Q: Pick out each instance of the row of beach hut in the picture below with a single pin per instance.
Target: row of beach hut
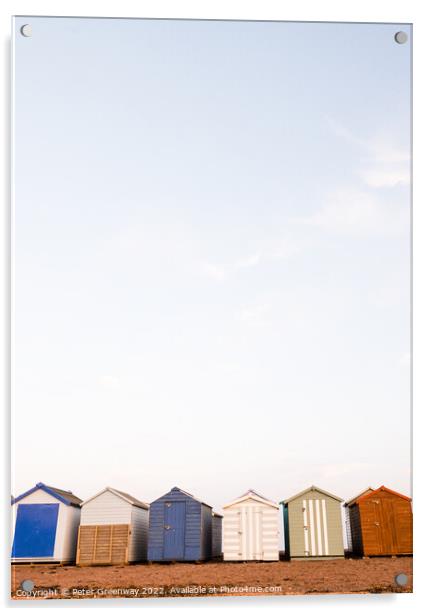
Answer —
(113, 527)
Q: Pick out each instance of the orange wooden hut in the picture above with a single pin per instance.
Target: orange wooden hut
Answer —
(380, 523)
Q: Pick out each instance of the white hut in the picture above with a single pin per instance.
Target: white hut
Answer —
(250, 528)
(45, 523)
(114, 529)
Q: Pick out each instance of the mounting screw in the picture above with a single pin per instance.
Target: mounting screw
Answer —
(26, 30)
(401, 37)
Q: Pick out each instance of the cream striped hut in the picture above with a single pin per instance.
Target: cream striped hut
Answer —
(313, 525)
(250, 528)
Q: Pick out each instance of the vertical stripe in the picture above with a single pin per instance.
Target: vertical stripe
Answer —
(256, 531)
(325, 527)
(243, 534)
(260, 531)
(250, 534)
(313, 540)
(306, 548)
(319, 529)
(246, 537)
(253, 532)
(253, 513)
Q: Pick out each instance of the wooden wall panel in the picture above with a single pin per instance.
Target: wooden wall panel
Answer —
(106, 544)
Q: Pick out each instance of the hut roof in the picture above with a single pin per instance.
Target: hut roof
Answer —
(64, 496)
(382, 489)
(355, 498)
(251, 491)
(127, 497)
(176, 489)
(254, 496)
(311, 488)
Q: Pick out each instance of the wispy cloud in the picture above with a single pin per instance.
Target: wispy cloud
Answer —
(220, 272)
(360, 207)
(356, 212)
(250, 261)
(109, 381)
(384, 163)
(255, 315)
(380, 178)
(284, 245)
(215, 272)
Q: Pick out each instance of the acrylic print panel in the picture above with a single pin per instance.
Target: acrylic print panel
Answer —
(211, 310)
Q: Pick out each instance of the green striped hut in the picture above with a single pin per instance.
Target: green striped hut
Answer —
(313, 525)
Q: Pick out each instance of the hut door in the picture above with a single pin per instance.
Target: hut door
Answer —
(396, 529)
(316, 541)
(257, 550)
(174, 530)
(251, 534)
(374, 521)
(389, 535)
(35, 531)
(387, 525)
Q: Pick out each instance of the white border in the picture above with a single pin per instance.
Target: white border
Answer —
(409, 11)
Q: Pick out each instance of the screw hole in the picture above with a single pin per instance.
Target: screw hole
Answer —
(26, 30)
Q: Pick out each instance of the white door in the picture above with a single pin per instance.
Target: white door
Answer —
(251, 533)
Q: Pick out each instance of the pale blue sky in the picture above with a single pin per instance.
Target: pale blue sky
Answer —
(211, 257)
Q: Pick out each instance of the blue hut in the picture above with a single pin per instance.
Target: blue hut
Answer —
(180, 528)
(45, 525)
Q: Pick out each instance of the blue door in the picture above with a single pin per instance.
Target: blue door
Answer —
(174, 530)
(35, 530)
